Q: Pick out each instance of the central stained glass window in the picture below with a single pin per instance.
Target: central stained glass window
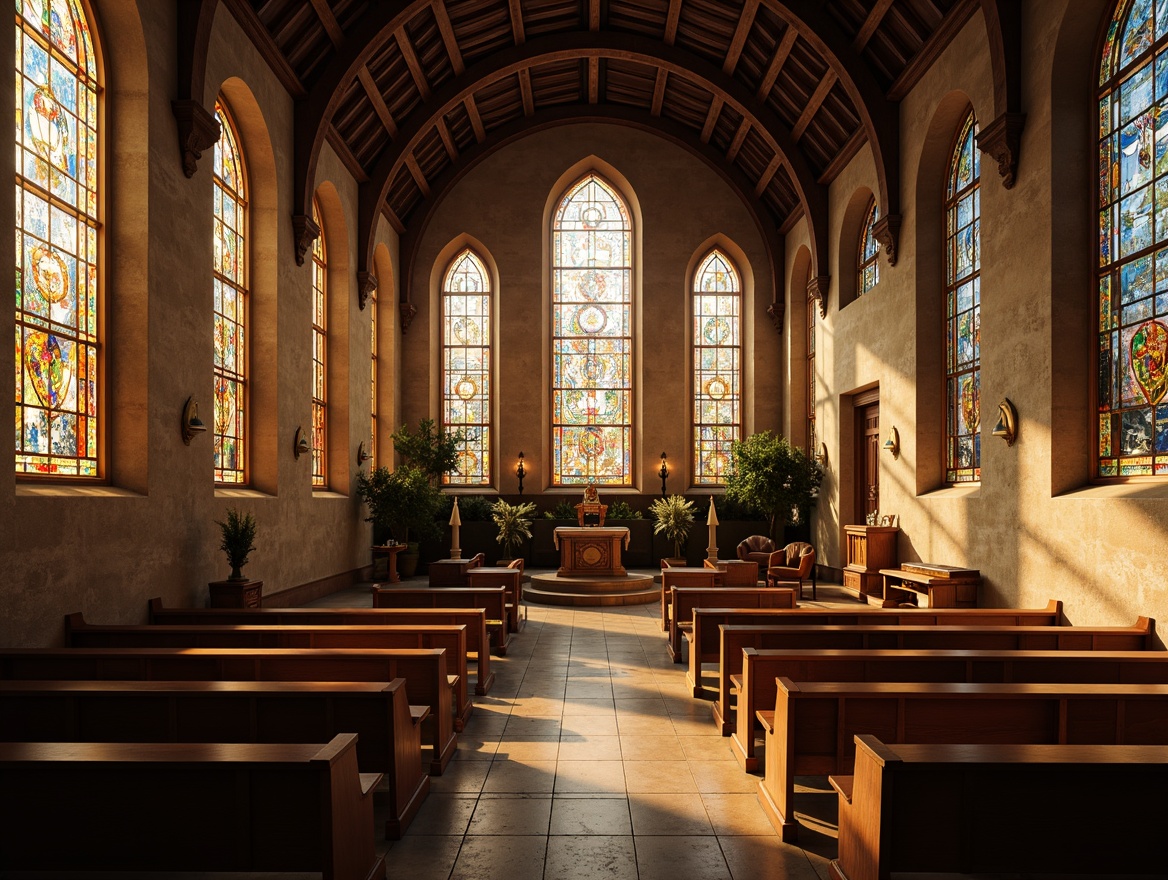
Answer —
(717, 310)
(319, 354)
(466, 367)
(592, 335)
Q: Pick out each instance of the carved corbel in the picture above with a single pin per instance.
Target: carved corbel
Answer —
(776, 311)
(406, 311)
(306, 231)
(817, 288)
(198, 130)
(366, 284)
(1001, 140)
(886, 231)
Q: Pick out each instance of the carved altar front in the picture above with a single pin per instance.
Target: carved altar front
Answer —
(591, 551)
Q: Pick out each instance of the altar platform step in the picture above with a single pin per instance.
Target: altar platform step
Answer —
(632, 589)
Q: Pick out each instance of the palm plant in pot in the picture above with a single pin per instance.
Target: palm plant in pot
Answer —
(514, 524)
(238, 532)
(674, 516)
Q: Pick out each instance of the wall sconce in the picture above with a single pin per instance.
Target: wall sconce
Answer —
(300, 443)
(821, 455)
(663, 473)
(191, 423)
(892, 444)
(520, 471)
(1007, 426)
(362, 455)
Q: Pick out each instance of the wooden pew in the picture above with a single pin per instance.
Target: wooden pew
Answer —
(734, 639)
(683, 601)
(424, 670)
(79, 634)
(684, 576)
(474, 619)
(512, 580)
(1010, 810)
(761, 669)
(493, 600)
(812, 728)
(188, 807)
(388, 728)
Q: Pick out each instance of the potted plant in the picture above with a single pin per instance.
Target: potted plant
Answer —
(514, 524)
(238, 531)
(775, 478)
(674, 517)
(401, 500)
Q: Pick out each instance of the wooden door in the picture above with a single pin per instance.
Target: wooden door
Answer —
(868, 461)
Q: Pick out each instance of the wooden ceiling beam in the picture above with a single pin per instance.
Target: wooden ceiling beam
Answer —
(516, 12)
(525, 91)
(378, 102)
(870, 25)
(476, 121)
(417, 175)
(447, 139)
(448, 40)
(782, 52)
(813, 105)
(741, 32)
(739, 139)
(593, 80)
(671, 20)
(325, 13)
(768, 174)
(594, 15)
(712, 118)
(411, 59)
(659, 91)
(393, 219)
(262, 39)
(346, 155)
(961, 12)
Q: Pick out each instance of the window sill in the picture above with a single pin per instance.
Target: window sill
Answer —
(232, 492)
(970, 490)
(27, 490)
(327, 493)
(1110, 491)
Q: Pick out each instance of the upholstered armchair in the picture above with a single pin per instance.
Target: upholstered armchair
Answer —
(793, 563)
(756, 548)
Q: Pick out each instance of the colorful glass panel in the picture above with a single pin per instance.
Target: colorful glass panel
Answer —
(230, 304)
(372, 451)
(57, 297)
(717, 334)
(869, 265)
(963, 310)
(319, 352)
(592, 331)
(466, 367)
(812, 313)
(1132, 301)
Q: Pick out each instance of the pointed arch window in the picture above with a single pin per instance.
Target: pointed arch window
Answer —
(963, 308)
(717, 364)
(466, 366)
(58, 301)
(230, 279)
(1132, 347)
(867, 262)
(592, 336)
(373, 379)
(812, 313)
(319, 355)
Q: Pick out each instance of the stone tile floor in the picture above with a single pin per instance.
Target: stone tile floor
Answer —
(590, 759)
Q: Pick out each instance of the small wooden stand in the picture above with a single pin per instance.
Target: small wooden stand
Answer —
(930, 585)
(870, 548)
(236, 594)
(390, 552)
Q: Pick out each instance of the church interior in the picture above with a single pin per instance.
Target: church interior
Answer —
(604, 241)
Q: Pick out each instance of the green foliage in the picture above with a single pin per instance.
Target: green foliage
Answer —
(774, 477)
(431, 449)
(564, 510)
(674, 517)
(401, 500)
(514, 522)
(471, 508)
(729, 508)
(621, 510)
(239, 531)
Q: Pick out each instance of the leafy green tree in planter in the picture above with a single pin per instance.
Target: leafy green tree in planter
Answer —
(674, 517)
(775, 478)
(430, 449)
(514, 523)
(401, 500)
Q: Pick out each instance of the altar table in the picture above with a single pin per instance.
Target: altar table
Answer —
(591, 551)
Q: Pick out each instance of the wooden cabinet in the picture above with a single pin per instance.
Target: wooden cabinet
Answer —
(869, 549)
(236, 594)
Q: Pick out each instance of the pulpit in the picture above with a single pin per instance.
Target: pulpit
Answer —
(591, 551)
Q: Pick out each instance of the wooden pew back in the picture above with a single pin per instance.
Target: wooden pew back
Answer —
(683, 601)
(493, 600)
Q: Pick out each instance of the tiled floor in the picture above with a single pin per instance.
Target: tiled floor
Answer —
(590, 759)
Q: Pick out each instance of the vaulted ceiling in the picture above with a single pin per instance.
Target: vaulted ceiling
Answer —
(775, 96)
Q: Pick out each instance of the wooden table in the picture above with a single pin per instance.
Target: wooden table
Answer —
(591, 550)
(941, 586)
(390, 552)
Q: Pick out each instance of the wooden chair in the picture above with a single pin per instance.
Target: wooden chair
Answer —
(794, 563)
(756, 548)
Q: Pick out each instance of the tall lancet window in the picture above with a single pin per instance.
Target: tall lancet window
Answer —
(58, 300)
(592, 336)
(230, 289)
(466, 367)
(867, 262)
(963, 309)
(717, 365)
(1132, 341)
(319, 355)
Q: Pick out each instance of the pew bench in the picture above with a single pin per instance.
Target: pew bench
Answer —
(79, 634)
(474, 619)
(493, 601)
(188, 807)
(1047, 810)
(424, 670)
(757, 686)
(734, 639)
(684, 576)
(512, 580)
(389, 730)
(812, 728)
(683, 601)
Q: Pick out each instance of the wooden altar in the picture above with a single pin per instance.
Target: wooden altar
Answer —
(591, 551)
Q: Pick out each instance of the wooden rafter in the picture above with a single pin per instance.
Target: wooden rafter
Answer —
(525, 91)
(659, 91)
(476, 121)
(712, 118)
(782, 51)
(411, 59)
(739, 139)
(741, 32)
(379, 105)
(871, 23)
(768, 174)
(593, 15)
(813, 105)
(263, 41)
(346, 155)
(671, 20)
(417, 175)
(393, 219)
(845, 155)
(593, 80)
(516, 22)
(447, 140)
(325, 13)
(448, 39)
(954, 20)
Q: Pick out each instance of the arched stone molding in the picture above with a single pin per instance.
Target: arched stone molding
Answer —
(851, 235)
(388, 353)
(797, 379)
(335, 230)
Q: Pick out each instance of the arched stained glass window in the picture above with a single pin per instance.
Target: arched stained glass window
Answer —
(592, 334)
(372, 452)
(319, 355)
(1132, 367)
(812, 313)
(58, 318)
(230, 286)
(466, 366)
(717, 329)
(963, 309)
(869, 265)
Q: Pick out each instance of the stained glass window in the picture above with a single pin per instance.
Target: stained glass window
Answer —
(319, 351)
(466, 366)
(1132, 366)
(57, 296)
(869, 265)
(812, 311)
(230, 287)
(963, 309)
(717, 329)
(592, 330)
(373, 379)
